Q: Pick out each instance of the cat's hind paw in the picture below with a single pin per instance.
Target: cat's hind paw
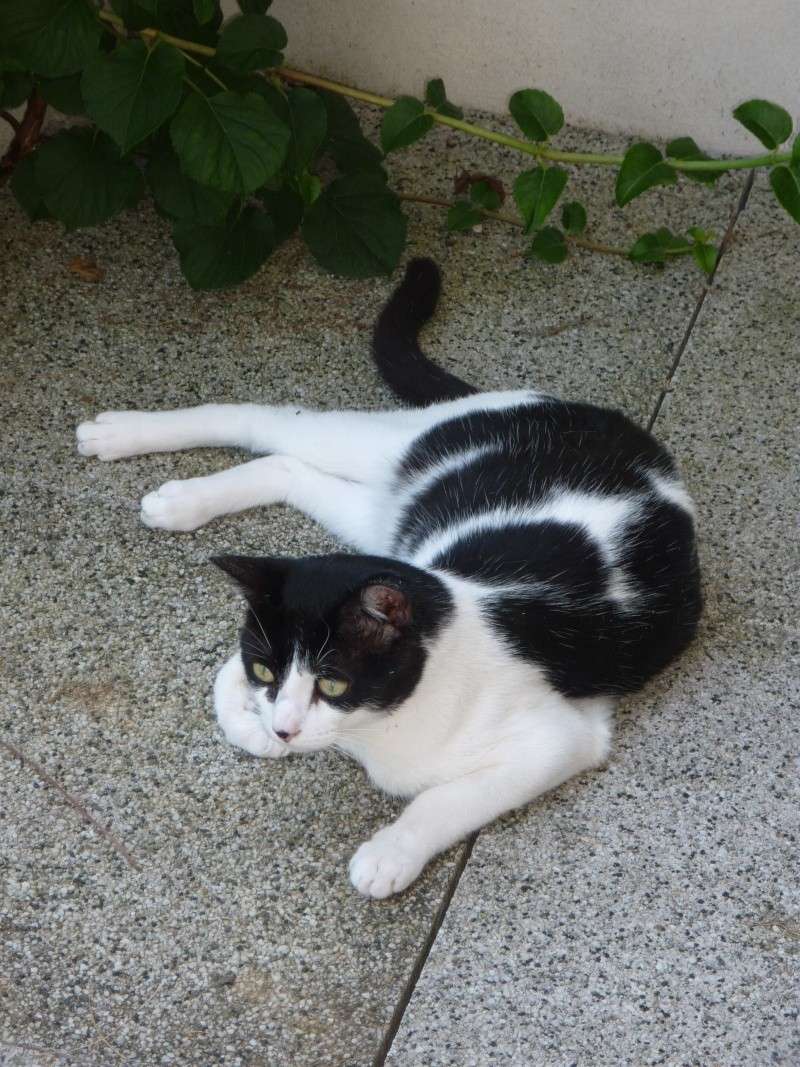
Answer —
(385, 864)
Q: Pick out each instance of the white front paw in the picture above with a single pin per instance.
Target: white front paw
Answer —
(253, 738)
(176, 506)
(112, 434)
(244, 729)
(385, 864)
(236, 714)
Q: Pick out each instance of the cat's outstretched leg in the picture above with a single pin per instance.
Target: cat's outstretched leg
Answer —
(559, 742)
(236, 714)
(347, 509)
(358, 445)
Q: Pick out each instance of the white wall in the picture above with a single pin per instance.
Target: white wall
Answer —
(653, 67)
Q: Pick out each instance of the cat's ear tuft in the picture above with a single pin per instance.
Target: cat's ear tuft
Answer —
(376, 617)
(258, 577)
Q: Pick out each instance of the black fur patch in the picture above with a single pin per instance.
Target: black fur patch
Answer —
(364, 619)
(587, 643)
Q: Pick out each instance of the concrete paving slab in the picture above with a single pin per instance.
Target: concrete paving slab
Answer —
(239, 941)
(650, 913)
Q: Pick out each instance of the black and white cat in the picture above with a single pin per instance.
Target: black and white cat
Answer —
(524, 561)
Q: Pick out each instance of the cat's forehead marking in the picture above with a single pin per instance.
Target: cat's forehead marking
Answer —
(297, 685)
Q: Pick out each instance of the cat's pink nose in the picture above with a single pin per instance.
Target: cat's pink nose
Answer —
(284, 735)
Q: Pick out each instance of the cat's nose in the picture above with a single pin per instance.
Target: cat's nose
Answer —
(284, 735)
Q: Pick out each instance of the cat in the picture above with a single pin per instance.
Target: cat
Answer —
(523, 561)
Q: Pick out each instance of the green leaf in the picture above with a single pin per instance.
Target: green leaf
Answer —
(436, 97)
(705, 256)
(179, 197)
(656, 247)
(461, 216)
(308, 121)
(83, 180)
(686, 148)
(771, 124)
(204, 10)
(549, 246)
(309, 187)
(51, 37)
(796, 150)
(218, 257)
(15, 88)
(176, 17)
(8, 62)
(64, 94)
(229, 141)
(251, 42)
(673, 244)
(536, 193)
(404, 123)
(26, 189)
(647, 249)
(356, 228)
(249, 83)
(573, 217)
(485, 196)
(285, 207)
(642, 168)
(536, 113)
(134, 90)
(350, 149)
(253, 7)
(700, 235)
(785, 182)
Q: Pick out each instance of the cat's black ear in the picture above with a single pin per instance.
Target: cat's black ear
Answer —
(259, 577)
(377, 616)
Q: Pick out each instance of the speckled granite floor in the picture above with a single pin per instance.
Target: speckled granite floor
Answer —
(648, 914)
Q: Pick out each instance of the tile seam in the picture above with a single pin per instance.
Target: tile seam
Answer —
(736, 211)
(422, 956)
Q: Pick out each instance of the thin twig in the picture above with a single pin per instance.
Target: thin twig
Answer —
(594, 246)
(27, 135)
(13, 122)
(73, 802)
(436, 202)
(580, 242)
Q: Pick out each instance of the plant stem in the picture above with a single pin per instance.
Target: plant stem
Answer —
(538, 151)
(436, 202)
(205, 70)
(593, 246)
(26, 137)
(13, 123)
(497, 216)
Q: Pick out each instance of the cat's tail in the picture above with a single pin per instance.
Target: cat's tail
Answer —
(401, 362)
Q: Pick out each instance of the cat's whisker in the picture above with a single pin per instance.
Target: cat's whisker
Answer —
(263, 631)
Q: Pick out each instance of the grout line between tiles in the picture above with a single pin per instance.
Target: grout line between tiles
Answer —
(736, 211)
(452, 885)
(422, 956)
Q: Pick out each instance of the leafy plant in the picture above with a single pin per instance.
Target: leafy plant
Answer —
(239, 152)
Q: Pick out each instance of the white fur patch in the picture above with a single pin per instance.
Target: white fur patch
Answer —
(672, 490)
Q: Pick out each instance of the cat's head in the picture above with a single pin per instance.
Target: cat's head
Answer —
(329, 635)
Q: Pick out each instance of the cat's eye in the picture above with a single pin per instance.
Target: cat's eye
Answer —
(263, 673)
(332, 687)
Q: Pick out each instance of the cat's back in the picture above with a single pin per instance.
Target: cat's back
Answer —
(573, 524)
